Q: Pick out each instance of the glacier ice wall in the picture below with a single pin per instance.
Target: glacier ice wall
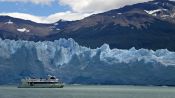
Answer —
(78, 64)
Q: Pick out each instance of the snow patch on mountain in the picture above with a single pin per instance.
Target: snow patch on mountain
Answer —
(58, 29)
(23, 30)
(153, 12)
(9, 22)
(55, 24)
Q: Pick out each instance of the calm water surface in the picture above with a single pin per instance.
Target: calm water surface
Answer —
(88, 92)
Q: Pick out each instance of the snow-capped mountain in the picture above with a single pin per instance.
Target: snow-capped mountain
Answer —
(149, 25)
(13, 28)
(77, 64)
(144, 25)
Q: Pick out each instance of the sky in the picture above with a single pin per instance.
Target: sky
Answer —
(50, 11)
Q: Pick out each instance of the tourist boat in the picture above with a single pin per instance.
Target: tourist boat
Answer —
(50, 82)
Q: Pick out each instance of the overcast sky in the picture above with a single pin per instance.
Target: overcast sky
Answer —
(49, 11)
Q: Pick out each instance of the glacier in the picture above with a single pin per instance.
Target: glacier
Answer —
(73, 63)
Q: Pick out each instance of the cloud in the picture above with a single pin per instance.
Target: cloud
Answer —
(50, 19)
(78, 9)
(89, 6)
(25, 17)
(44, 2)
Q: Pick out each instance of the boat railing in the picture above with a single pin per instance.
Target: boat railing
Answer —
(40, 80)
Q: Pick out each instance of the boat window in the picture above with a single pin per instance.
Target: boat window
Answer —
(52, 78)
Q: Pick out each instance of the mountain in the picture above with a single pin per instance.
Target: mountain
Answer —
(149, 25)
(145, 25)
(13, 28)
(81, 65)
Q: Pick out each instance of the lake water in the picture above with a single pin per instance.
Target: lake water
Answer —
(88, 92)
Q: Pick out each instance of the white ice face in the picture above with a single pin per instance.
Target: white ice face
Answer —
(60, 52)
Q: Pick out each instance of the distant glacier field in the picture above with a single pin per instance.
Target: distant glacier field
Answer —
(81, 65)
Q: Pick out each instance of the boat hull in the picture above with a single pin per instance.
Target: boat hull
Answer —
(41, 86)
